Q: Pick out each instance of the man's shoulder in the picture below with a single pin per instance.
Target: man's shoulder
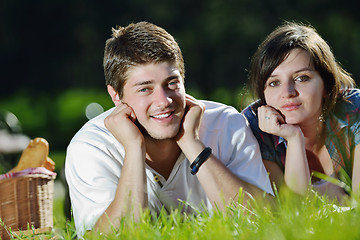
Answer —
(94, 130)
(218, 109)
(218, 116)
(95, 147)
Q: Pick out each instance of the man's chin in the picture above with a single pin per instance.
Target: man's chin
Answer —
(156, 135)
(161, 135)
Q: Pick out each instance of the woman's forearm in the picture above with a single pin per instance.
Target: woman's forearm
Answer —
(297, 173)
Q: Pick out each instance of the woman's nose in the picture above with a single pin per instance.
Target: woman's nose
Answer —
(289, 90)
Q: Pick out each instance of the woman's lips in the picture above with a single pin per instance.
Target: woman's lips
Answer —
(291, 106)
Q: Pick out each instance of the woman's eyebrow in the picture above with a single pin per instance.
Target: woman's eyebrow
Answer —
(305, 69)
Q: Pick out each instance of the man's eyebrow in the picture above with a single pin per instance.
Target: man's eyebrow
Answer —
(172, 77)
(147, 82)
(141, 83)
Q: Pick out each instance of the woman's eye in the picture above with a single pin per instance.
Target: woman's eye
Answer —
(302, 78)
(273, 83)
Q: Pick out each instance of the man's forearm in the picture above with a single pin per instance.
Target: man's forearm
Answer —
(131, 193)
(220, 184)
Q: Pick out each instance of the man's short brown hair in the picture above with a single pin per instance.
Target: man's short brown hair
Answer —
(138, 43)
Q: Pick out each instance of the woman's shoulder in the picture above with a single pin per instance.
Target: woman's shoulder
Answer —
(347, 108)
(270, 145)
(352, 93)
(349, 102)
(250, 112)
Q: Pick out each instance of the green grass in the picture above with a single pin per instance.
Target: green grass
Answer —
(290, 217)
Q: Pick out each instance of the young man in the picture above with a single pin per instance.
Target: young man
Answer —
(139, 154)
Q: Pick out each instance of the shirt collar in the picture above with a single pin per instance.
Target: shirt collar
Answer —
(278, 140)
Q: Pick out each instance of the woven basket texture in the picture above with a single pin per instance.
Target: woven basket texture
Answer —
(26, 202)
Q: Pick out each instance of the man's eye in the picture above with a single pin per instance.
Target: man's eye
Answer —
(143, 89)
(173, 84)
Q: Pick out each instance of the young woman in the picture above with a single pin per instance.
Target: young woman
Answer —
(307, 117)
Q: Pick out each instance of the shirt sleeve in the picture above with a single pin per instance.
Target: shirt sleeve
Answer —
(236, 146)
(92, 174)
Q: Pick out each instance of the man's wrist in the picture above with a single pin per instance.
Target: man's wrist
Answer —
(203, 156)
(192, 149)
(136, 149)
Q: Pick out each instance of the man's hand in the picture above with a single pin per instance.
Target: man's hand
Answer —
(189, 129)
(121, 123)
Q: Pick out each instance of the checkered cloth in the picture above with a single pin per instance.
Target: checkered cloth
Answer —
(38, 170)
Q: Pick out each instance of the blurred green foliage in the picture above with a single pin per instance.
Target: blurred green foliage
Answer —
(56, 118)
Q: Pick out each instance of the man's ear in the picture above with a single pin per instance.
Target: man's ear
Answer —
(114, 95)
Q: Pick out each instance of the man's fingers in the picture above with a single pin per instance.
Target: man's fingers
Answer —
(191, 102)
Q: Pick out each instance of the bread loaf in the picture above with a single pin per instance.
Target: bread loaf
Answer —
(35, 155)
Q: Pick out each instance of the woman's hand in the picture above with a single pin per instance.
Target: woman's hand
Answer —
(297, 173)
(273, 122)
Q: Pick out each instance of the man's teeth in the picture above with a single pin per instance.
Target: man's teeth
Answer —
(165, 115)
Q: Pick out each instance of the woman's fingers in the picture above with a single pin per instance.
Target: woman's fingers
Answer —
(270, 119)
(273, 122)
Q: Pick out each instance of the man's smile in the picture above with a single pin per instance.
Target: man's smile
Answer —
(163, 115)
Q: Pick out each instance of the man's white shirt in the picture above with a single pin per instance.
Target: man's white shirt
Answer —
(95, 158)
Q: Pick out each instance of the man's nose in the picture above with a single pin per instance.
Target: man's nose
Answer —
(162, 98)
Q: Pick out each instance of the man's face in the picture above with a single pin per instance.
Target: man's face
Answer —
(156, 93)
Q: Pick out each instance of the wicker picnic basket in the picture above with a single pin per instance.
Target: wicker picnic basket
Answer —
(26, 202)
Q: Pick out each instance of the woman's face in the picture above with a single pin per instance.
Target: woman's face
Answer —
(296, 89)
